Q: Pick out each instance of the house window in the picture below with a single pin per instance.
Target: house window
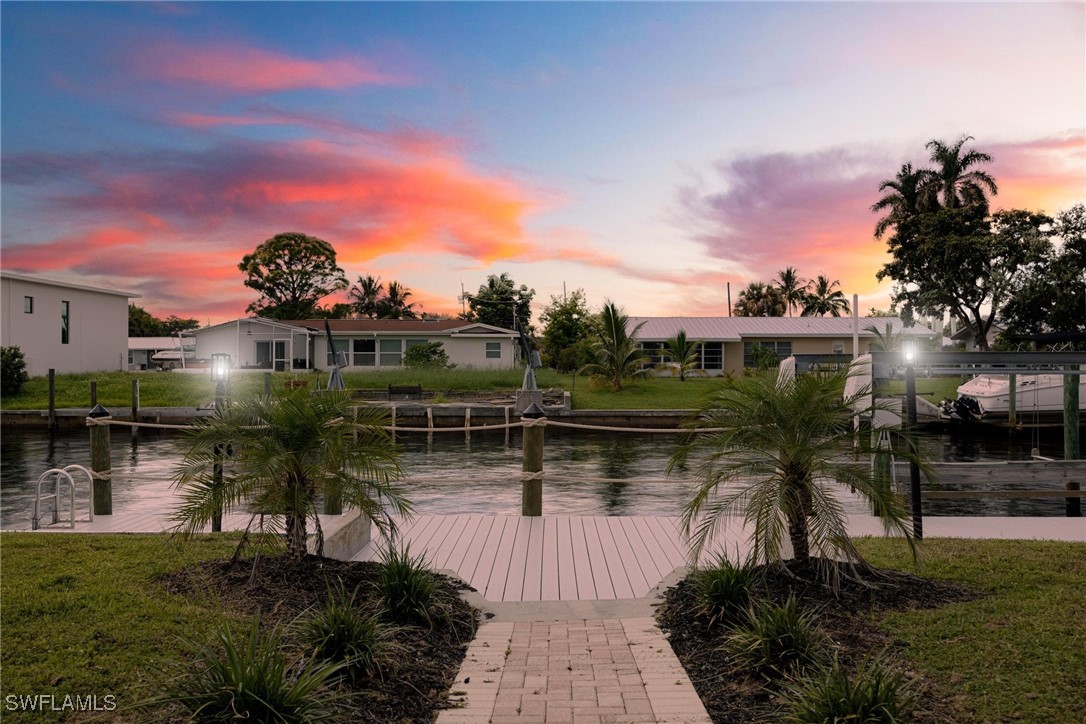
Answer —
(493, 350)
(64, 309)
(28, 305)
(712, 356)
(391, 352)
(415, 343)
(365, 352)
(656, 353)
(783, 349)
(263, 354)
(338, 345)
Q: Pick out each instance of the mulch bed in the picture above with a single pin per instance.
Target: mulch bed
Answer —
(280, 590)
(730, 696)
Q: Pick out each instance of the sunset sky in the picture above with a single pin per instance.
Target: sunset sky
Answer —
(647, 152)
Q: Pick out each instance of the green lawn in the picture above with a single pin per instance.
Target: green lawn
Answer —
(1018, 653)
(653, 393)
(932, 388)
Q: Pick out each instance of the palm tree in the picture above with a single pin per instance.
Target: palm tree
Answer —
(760, 300)
(394, 304)
(684, 353)
(365, 295)
(286, 452)
(792, 288)
(618, 355)
(909, 194)
(884, 342)
(823, 299)
(952, 178)
(771, 453)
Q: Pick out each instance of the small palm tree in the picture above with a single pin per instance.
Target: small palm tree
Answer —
(823, 299)
(618, 355)
(792, 287)
(771, 454)
(884, 342)
(286, 452)
(684, 353)
(365, 295)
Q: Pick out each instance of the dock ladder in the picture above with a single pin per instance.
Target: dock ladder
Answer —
(58, 474)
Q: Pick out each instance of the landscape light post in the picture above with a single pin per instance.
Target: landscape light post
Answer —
(220, 373)
(908, 349)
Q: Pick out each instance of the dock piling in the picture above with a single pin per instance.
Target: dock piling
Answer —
(1072, 449)
(102, 489)
(531, 493)
(52, 400)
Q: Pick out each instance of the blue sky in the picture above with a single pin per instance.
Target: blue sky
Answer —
(647, 152)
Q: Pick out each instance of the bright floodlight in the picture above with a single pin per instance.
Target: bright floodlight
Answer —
(220, 367)
(908, 348)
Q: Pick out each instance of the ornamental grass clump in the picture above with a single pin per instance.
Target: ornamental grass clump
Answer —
(723, 590)
(341, 632)
(248, 676)
(776, 639)
(407, 589)
(874, 694)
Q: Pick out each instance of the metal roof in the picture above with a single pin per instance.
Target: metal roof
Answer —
(66, 285)
(394, 326)
(736, 329)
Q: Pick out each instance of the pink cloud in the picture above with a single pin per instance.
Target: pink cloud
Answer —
(236, 67)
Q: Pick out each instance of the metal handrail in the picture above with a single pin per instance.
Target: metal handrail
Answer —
(35, 521)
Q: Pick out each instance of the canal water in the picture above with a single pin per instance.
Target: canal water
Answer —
(448, 474)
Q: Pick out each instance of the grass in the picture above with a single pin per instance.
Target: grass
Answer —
(933, 389)
(1017, 653)
(653, 393)
(82, 614)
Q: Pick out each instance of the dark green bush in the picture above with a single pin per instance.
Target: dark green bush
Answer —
(875, 694)
(247, 676)
(724, 590)
(428, 355)
(776, 639)
(12, 371)
(340, 632)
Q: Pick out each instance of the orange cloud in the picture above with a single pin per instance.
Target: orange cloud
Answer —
(239, 68)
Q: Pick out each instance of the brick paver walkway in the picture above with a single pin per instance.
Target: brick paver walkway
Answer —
(572, 672)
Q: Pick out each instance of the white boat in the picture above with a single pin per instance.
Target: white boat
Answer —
(990, 395)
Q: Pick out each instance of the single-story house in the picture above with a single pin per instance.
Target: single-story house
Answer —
(726, 342)
(64, 326)
(149, 353)
(962, 334)
(258, 343)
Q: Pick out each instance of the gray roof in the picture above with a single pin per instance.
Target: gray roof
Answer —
(736, 329)
(67, 285)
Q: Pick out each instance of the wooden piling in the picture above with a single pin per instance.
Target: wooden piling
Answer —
(531, 493)
(135, 404)
(94, 392)
(467, 423)
(102, 488)
(1072, 449)
(52, 400)
(1012, 402)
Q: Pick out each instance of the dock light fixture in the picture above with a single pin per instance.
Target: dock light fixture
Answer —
(220, 367)
(908, 350)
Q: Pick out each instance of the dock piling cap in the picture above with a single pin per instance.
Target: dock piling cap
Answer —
(98, 411)
(533, 412)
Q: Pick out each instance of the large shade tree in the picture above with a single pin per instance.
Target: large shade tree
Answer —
(823, 299)
(285, 453)
(618, 354)
(501, 303)
(774, 454)
(760, 300)
(568, 329)
(292, 272)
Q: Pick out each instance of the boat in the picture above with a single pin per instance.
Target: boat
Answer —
(987, 396)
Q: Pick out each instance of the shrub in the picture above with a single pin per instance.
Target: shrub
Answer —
(776, 639)
(408, 590)
(873, 695)
(724, 590)
(12, 371)
(247, 676)
(430, 354)
(341, 633)
(763, 357)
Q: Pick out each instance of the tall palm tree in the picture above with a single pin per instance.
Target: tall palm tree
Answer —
(823, 299)
(684, 353)
(792, 287)
(394, 304)
(954, 177)
(286, 452)
(365, 296)
(760, 300)
(771, 454)
(618, 355)
(908, 193)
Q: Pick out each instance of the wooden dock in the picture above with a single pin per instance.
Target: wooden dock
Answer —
(546, 558)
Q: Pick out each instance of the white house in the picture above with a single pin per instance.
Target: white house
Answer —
(726, 342)
(64, 326)
(258, 343)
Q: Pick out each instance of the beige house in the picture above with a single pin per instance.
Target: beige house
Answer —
(367, 344)
(64, 326)
(726, 342)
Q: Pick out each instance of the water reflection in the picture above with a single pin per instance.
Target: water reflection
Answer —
(453, 475)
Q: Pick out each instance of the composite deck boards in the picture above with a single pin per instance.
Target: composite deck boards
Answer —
(484, 541)
(638, 581)
(533, 566)
(550, 589)
(494, 586)
(518, 556)
(468, 530)
(601, 578)
(667, 537)
(616, 568)
(640, 551)
(567, 574)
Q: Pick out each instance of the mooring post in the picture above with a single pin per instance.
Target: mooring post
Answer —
(914, 467)
(1012, 402)
(52, 400)
(94, 393)
(531, 490)
(1072, 449)
(135, 405)
(102, 487)
(467, 423)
